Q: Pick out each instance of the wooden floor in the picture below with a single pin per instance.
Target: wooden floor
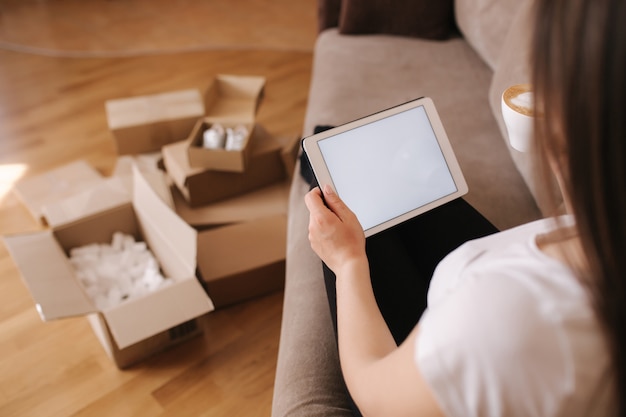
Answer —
(52, 113)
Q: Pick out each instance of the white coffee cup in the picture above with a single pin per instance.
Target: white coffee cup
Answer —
(517, 111)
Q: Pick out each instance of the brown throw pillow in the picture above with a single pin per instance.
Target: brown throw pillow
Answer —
(328, 14)
(429, 19)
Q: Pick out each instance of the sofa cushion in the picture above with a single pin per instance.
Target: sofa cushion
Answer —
(485, 24)
(428, 19)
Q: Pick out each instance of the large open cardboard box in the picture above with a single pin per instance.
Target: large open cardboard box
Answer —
(201, 186)
(147, 123)
(137, 327)
(237, 249)
(230, 101)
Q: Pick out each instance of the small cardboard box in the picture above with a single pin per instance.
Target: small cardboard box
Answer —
(147, 123)
(230, 101)
(202, 186)
(138, 327)
(217, 159)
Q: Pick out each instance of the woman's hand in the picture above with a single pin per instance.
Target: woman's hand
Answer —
(334, 231)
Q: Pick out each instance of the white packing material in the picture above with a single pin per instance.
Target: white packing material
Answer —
(111, 274)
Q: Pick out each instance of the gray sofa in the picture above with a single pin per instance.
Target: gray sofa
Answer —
(357, 75)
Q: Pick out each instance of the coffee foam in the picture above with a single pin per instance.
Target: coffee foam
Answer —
(519, 98)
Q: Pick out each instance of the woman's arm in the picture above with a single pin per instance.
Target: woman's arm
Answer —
(382, 378)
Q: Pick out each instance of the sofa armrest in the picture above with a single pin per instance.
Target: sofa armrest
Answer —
(308, 379)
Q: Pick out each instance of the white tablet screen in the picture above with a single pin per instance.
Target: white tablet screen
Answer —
(385, 169)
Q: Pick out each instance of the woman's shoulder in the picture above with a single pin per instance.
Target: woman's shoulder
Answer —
(507, 295)
(512, 320)
(495, 346)
(512, 254)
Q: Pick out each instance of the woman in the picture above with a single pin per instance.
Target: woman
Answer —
(529, 321)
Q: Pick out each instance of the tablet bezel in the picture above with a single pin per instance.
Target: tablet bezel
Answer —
(323, 176)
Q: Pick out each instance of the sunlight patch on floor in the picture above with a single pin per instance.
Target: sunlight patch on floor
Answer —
(10, 174)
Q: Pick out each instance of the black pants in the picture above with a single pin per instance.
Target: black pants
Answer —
(402, 260)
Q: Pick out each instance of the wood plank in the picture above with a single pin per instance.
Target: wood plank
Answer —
(103, 27)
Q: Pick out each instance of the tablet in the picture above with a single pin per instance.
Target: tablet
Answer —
(390, 166)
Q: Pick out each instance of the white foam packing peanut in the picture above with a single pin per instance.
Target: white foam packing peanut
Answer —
(236, 138)
(113, 273)
(230, 139)
(214, 137)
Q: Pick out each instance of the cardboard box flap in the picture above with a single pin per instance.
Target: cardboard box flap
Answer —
(146, 162)
(48, 275)
(57, 184)
(171, 239)
(148, 165)
(135, 111)
(112, 192)
(290, 154)
(160, 183)
(135, 320)
(242, 247)
(177, 163)
(234, 99)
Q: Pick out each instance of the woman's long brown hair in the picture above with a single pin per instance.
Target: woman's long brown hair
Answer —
(579, 77)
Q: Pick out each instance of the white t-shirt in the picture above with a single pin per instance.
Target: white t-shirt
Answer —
(510, 331)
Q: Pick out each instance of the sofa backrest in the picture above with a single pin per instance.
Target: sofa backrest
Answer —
(513, 67)
(485, 24)
(500, 32)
